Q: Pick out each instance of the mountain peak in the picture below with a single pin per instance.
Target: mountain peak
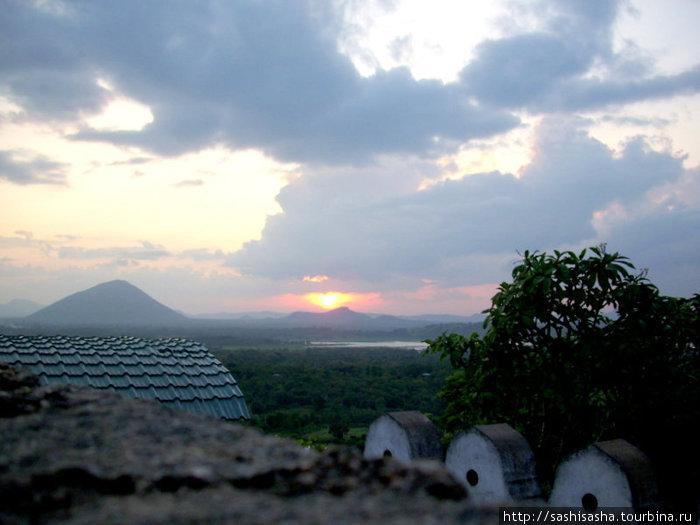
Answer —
(19, 308)
(111, 303)
(116, 284)
(342, 309)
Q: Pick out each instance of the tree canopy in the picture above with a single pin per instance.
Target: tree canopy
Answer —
(581, 347)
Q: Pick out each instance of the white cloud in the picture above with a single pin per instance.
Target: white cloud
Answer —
(121, 114)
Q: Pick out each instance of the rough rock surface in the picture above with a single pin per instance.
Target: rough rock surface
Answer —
(76, 455)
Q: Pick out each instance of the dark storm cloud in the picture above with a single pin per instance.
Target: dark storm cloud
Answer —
(27, 168)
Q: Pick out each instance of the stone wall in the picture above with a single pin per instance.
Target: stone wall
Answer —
(74, 455)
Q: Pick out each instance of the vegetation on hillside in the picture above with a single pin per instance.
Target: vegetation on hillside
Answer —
(581, 347)
(331, 395)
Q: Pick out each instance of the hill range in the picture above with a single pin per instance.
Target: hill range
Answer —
(19, 308)
(119, 303)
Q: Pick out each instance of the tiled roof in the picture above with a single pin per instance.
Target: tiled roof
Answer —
(176, 372)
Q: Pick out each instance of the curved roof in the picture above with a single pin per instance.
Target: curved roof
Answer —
(423, 436)
(176, 372)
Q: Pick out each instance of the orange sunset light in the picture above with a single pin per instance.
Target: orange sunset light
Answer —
(329, 300)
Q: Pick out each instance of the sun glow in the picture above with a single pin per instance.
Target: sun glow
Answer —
(329, 300)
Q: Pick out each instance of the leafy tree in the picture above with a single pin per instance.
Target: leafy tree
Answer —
(579, 348)
(338, 429)
(300, 392)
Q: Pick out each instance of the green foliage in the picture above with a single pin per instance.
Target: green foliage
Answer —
(313, 443)
(338, 429)
(579, 348)
(332, 395)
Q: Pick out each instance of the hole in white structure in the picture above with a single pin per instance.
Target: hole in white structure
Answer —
(472, 477)
(589, 501)
(387, 453)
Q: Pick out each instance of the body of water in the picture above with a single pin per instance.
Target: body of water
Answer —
(411, 345)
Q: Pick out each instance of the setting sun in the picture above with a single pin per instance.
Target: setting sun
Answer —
(329, 300)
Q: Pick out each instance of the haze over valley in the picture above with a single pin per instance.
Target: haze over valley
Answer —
(119, 307)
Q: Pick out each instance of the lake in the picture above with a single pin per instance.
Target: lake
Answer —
(411, 345)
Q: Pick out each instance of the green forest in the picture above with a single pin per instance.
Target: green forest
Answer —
(331, 395)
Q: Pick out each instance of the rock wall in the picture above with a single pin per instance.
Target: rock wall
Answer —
(75, 455)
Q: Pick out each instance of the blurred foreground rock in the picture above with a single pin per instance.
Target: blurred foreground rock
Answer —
(76, 455)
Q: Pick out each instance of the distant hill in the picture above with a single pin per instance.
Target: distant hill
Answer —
(19, 308)
(244, 316)
(342, 317)
(446, 318)
(339, 317)
(111, 303)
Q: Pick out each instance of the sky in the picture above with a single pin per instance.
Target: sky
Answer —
(392, 156)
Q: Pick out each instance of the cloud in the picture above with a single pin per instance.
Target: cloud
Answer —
(146, 252)
(202, 254)
(26, 234)
(656, 122)
(189, 183)
(268, 75)
(315, 278)
(585, 94)
(250, 74)
(24, 240)
(517, 71)
(23, 167)
(132, 161)
(521, 70)
(45, 73)
(550, 69)
(467, 231)
(660, 233)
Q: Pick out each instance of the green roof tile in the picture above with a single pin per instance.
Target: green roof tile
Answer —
(120, 382)
(176, 372)
(73, 369)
